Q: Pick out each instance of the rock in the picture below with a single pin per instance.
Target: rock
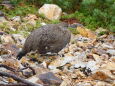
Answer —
(13, 63)
(109, 66)
(80, 64)
(107, 46)
(111, 52)
(74, 25)
(99, 30)
(61, 62)
(5, 2)
(30, 17)
(102, 83)
(13, 50)
(3, 19)
(16, 19)
(112, 59)
(32, 22)
(7, 39)
(83, 84)
(92, 65)
(27, 72)
(43, 23)
(50, 79)
(19, 38)
(105, 72)
(103, 75)
(82, 39)
(1, 13)
(111, 37)
(51, 11)
(97, 58)
(98, 51)
(1, 32)
(3, 51)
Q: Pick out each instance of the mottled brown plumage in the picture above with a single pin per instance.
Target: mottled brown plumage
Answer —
(48, 38)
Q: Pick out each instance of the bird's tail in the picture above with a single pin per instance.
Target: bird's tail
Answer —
(21, 54)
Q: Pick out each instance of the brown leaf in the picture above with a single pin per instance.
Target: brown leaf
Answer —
(86, 32)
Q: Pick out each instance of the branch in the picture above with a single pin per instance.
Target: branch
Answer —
(15, 84)
(17, 78)
(7, 67)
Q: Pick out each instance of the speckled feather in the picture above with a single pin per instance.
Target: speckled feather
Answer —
(48, 38)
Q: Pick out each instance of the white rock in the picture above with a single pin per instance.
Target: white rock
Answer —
(1, 60)
(107, 46)
(111, 51)
(7, 39)
(32, 22)
(43, 23)
(16, 18)
(33, 79)
(19, 38)
(2, 19)
(51, 11)
(92, 65)
(61, 61)
(80, 64)
(13, 29)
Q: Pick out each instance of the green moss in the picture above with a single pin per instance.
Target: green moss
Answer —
(73, 30)
(54, 21)
(21, 11)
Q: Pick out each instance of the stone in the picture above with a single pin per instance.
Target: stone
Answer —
(92, 65)
(2, 19)
(30, 17)
(103, 75)
(102, 83)
(80, 64)
(50, 79)
(83, 84)
(6, 2)
(107, 46)
(16, 18)
(32, 22)
(13, 50)
(7, 39)
(51, 11)
(99, 30)
(43, 23)
(27, 72)
(97, 58)
(13, 63)
(111, 52)
(19, 38)
(61, 62)
(1, 13)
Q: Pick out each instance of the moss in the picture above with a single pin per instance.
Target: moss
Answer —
(73, 30)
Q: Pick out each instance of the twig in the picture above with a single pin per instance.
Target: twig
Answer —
(17, 78)
(15, 84)
(7, 67)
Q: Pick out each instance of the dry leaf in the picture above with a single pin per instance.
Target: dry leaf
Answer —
(86, 32)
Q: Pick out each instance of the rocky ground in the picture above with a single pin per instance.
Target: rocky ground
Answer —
(89, 59)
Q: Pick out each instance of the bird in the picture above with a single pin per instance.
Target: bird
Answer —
(50, 38)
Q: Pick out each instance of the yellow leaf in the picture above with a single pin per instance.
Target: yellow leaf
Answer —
(86, 32)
